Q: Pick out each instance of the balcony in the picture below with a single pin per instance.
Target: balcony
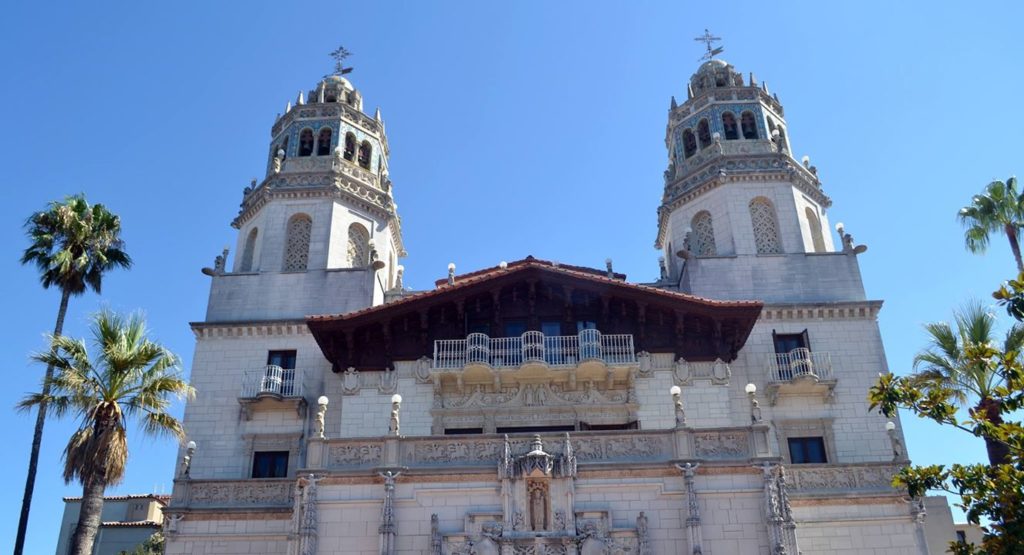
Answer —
(589, 353)
(272, 386)
(800, 372)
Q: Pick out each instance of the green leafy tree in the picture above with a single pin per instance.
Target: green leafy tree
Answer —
(993, 492)
(154, 545)
(998, 209)
(947, 366)
(72, 244)
(130, 377)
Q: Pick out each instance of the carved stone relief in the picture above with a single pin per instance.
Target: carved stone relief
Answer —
(721, 445)
(359, 454)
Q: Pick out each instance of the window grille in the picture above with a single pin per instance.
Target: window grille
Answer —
(703, 235)
(358, 246)
(766, 229)
(296, 256)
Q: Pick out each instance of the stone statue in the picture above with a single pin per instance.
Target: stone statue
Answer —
(538, 509)
(338, 159)
(276, 163)
(517, 521)
(435, 535)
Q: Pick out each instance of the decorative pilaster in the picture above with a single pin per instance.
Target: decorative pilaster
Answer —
(693, 508)
(307, 517)
(435, 535)
(778, 515)
(387, 517)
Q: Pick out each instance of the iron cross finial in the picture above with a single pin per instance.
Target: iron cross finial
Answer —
(708, 39)
(339, 56)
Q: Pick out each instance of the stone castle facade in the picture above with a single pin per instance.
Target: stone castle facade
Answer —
(536, 407)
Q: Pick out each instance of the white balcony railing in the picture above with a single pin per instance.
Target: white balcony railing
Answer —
(799, 363)
(534, 347)
(272, 380)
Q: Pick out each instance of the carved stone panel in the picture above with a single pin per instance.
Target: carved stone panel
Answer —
(354, 454)
(721, 445)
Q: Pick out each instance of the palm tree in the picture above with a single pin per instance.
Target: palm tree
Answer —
(945, 365)
(130, 377)
(73, 244)
(998, 209)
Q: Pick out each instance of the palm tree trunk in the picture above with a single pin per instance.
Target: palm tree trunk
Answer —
(1011, 234)
(37, 436)
(89, 514)
(998, 452)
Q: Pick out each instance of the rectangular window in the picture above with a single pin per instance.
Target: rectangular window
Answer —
(270, 464)
(792, 364)
(551, 329)
(462, 431)
(535, 429)
(807, 450)
(787, 342)
(634, 425)
(585, 325)
(284, 359)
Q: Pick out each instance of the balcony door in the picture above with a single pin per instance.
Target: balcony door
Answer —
(792, 352)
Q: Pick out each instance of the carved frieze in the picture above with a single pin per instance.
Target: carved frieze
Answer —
(721, 445)
(241, 493)
(354, 454)
(535, 395)
(846, 477)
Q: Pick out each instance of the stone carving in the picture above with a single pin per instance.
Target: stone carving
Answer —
(537, 491)
(642, 537)
(275, 164)
(492, 530)
(305, 512)
(778, 515)
(387, 515)
(264, 493)
(388, 381)
(525, 549)
(555, 549)
(171, 523)
(646, 366)
(721, 445)
(350, 381)
(456, 451)
(692, 506)
(338, 159)
(559, 521)
(535, 395)
(354, 454)
(517, 521)
(422, 368)
(435, 535)
(536, 462)
(873, 477)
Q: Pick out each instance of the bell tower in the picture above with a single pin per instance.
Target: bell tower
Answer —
(320, 233)
(740, 217)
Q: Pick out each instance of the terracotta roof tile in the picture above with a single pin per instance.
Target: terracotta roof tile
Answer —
(591, 274)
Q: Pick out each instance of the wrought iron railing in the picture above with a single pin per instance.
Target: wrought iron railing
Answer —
(534, 347)
(799, 363)
(272, 380)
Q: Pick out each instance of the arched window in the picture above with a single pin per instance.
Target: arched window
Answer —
(704, 133)
(749, 125)
(323, 142)
(766, 228)
(296, 250)
(358, 246)
(732, 132)
(350, 146)
(364, 154)
(306, 142)
(815, 224)
(330, 96)
(689, 143)
(703, 239)
(248, 252)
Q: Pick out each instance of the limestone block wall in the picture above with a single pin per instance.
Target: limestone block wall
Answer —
(246, 534)
(776, 278)
(291, 295)
(215, 419)
(855, 528)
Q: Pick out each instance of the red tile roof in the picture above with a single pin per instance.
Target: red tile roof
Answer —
(589, 274)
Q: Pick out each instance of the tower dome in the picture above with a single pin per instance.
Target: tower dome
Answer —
(713, 74)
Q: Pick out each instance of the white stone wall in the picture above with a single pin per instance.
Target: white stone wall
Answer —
(215, 420)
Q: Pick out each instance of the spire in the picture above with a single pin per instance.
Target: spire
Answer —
(674, 105)
(689, 91)
(288, 107)
(300, 100)
(376, 116)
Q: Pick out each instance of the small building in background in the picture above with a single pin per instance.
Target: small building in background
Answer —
(127, 521)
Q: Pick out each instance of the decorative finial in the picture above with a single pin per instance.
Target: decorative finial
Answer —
(708, 39)
(339, 56)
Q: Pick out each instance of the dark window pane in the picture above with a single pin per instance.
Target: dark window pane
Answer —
(515, 328)
(270, 464)
(284, 359)
(551, 328)
(807, 450)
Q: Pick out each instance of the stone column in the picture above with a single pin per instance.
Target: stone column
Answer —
(778, 515)
(693, 507)
(307, 517)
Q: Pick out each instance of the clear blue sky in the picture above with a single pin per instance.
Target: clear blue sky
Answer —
(515, 128)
